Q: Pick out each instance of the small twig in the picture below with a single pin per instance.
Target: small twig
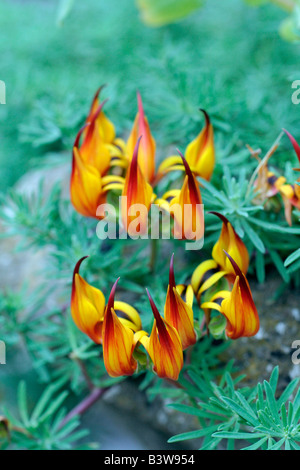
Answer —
(84, 405)
(84, 371)
(287, 5)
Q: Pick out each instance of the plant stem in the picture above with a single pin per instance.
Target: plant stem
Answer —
(84, 405)
(263, 162)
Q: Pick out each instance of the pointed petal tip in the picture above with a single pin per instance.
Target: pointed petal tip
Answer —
(186, 166)
(178, 151)
(98, 111)
(136, 151)
(96, 96)
(77, 266)
(206, 116)
(76, 271)
(221, 216)
(154, 308)
(293, 142)
(111, 300)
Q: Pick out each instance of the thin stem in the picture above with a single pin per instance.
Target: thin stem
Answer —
(263, 162)
(84, 405)
(175, 384)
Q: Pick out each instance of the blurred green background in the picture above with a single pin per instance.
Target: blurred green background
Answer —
(226, 57)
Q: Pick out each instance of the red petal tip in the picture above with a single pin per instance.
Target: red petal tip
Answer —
(111, 300)
(187, 167)
(77, 139)
(96, 96)
(76, 271)
(77, 266)
(238, 272)
(136, 150)
(154, 308)
(98, 111)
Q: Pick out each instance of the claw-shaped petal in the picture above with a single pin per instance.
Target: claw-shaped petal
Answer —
(187, 209)
(178, 313)
(104, 126)
(164, 346)
(136, 198)
(85, 185)
(87, 306)
(118, 342)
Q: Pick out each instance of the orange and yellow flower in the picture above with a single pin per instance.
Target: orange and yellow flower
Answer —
(185, 206)
(232, 244)
(215, 274)
(237, 306)
(93, 150)
(86, 190)
(179, 313)
(118, 342)
(137, 196)
(103, 125)
(267, 184)
(200, 154)
(205, 276)
(164, 346)
(88, 308)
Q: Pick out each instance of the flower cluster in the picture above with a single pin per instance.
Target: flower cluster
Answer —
(212, 280)
(103, 162)
(118, 327)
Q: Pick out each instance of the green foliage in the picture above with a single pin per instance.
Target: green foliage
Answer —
(290, 26)
(197, 72)
(242, 414)
(46, 426)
